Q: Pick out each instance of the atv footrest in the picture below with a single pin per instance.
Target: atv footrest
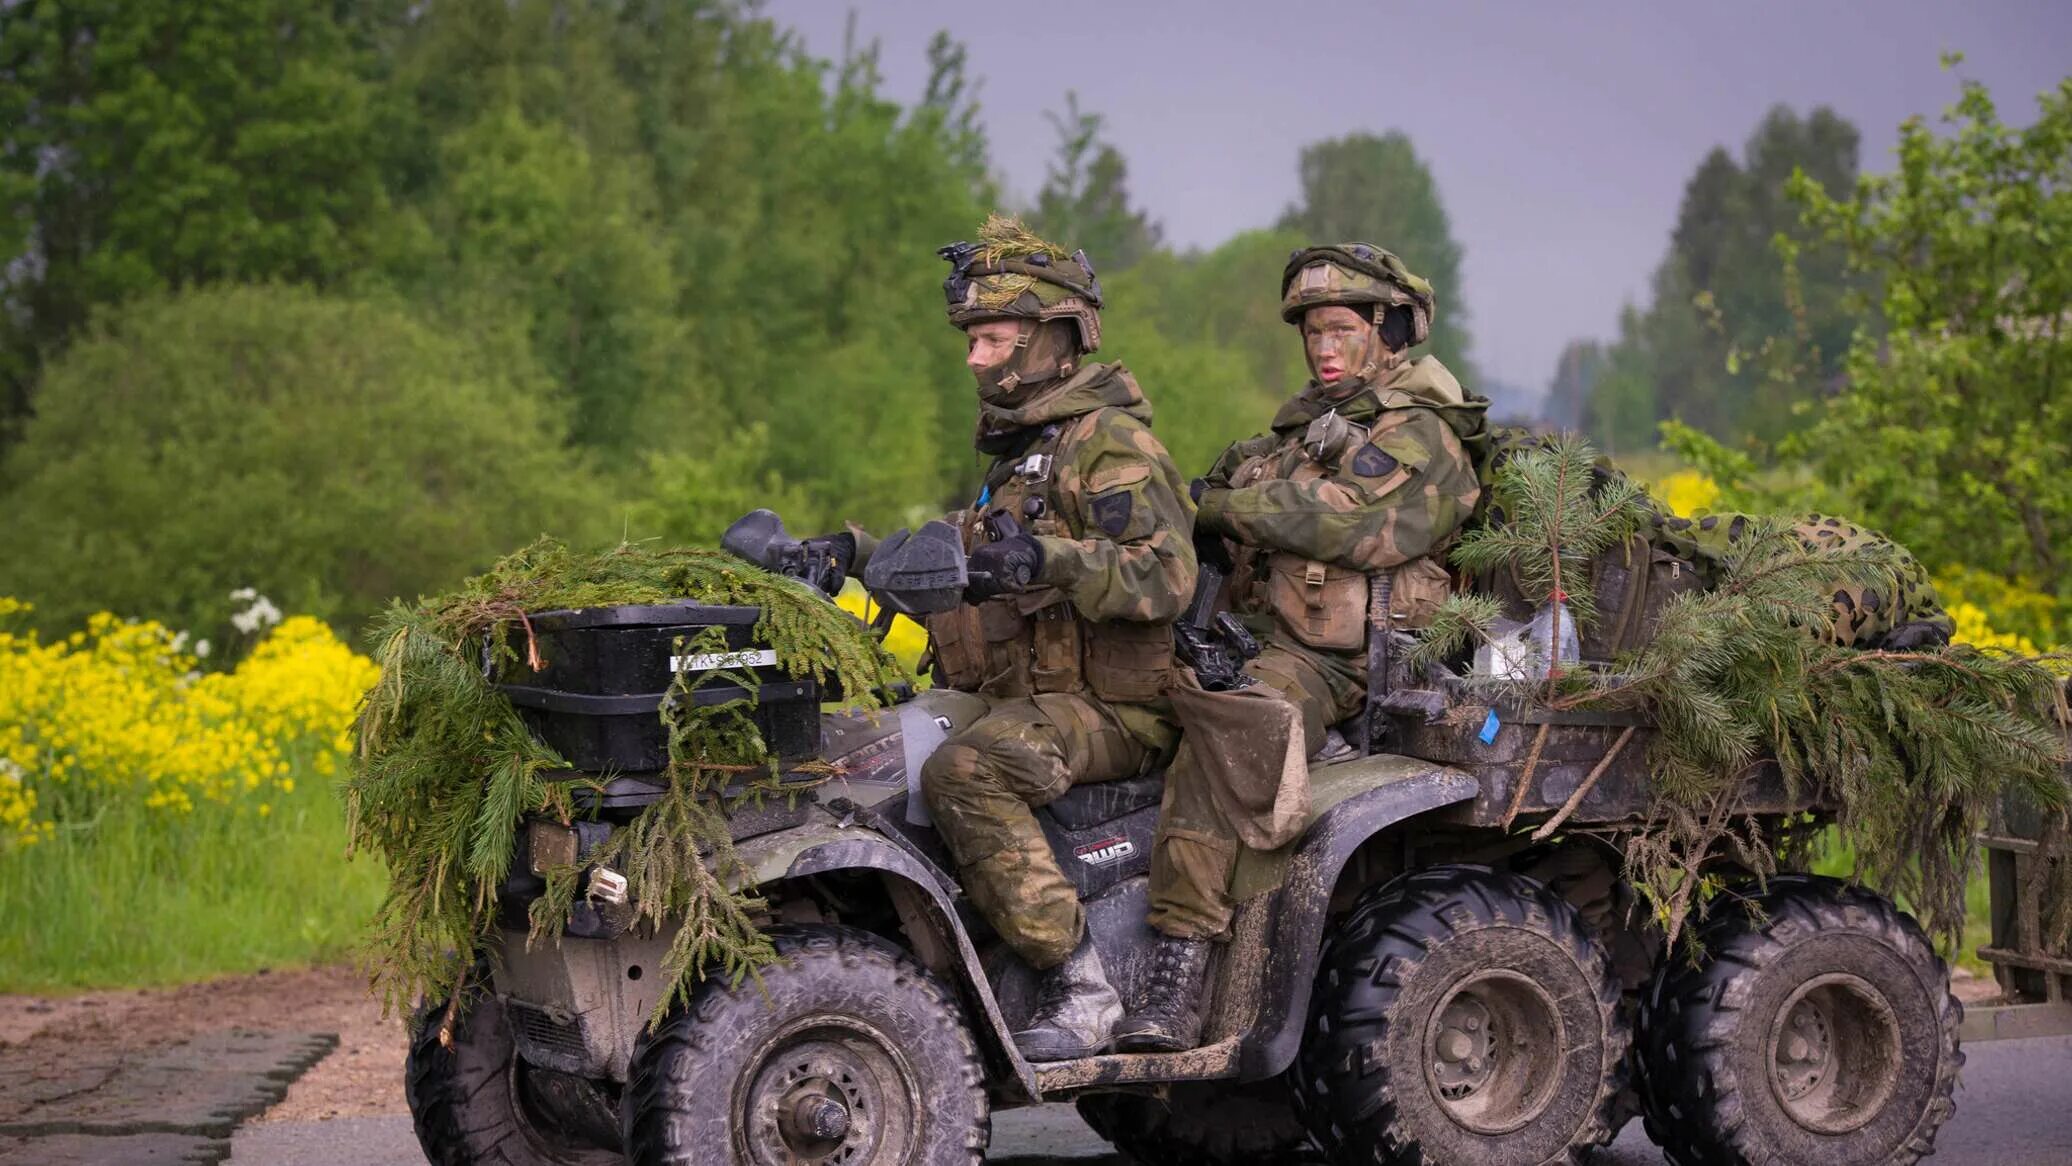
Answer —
(1064, 1078)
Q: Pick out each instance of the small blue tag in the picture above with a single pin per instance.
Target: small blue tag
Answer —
(1489, 728)
(984, 495)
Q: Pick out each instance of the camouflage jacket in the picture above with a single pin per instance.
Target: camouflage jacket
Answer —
(1393, 486)
(1082, 473)
(1117, 517)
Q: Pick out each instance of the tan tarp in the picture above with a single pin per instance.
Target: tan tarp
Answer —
(1247, 746)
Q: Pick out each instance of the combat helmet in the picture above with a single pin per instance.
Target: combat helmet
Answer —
(1353, 275)
(1013, 274)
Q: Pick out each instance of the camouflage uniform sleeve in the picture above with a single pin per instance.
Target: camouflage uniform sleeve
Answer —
(1394, 499)
(1233, 456)
(1136, 561)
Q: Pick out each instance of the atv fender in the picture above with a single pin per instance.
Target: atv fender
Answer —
(1356, 800)
(825, 846)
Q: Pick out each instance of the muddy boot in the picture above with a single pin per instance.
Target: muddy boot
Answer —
(1168, 1018)
(1075, 1009)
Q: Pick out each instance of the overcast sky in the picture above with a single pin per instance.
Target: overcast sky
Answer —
(1560, 134)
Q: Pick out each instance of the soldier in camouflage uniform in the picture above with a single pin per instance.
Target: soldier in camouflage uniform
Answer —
(1368, 469)
(1080, 560)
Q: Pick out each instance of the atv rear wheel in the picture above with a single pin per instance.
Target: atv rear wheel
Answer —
(1818, 1028)
(1462, 1015)
(846, 1052)
(1214, 1123)
(469, 1103)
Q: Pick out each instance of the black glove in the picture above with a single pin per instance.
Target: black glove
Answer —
(1918, 636)
(1211, 551)
(1000, 568)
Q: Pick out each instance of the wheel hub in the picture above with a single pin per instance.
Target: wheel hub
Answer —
(832, 1097)
(1463, 1045)
(1834, 1053)
(1493, 1051)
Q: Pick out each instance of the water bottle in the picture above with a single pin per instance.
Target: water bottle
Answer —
(1542, 636)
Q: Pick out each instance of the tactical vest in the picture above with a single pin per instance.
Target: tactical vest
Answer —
(1035, 642)
(1319, 604)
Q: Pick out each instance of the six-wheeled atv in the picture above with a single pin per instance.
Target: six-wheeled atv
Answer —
(1411, 980)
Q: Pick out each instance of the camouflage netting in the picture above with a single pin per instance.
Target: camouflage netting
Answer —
(447, 769)
(1907, 751)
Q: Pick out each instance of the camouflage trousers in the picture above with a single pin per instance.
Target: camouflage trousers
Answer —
(1196, 850)
(983, 783)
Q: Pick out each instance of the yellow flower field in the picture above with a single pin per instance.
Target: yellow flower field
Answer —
(161, 823)
(119, 713)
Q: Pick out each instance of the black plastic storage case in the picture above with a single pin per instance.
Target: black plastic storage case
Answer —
(597, 696)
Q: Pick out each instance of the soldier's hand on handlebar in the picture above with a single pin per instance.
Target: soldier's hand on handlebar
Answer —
(1003, 567)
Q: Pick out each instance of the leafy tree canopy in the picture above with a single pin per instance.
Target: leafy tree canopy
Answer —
(331, 453)
(1956, 422)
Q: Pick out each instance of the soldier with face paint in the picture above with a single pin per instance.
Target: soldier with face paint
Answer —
(1080, 558)
(1368, 469)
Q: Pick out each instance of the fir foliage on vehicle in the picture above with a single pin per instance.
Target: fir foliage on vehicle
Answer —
(447, 769)
(1914, 748)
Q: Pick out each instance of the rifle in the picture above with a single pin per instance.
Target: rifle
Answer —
(1380, 626)
(1214, 644)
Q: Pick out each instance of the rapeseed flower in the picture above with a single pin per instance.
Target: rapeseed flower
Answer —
(120, 711)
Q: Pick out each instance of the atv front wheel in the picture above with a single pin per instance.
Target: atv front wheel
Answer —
(469, 1102)
(1818, 1027)
(1462, 1015)
(847, 1051)
(1213, 1123)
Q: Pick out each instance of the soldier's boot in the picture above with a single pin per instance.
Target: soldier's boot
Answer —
(1168, 1019)
(1076, 1008)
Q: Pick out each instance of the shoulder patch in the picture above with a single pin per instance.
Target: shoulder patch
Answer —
(1373, 462)
(1126, 474)
(1111, 512)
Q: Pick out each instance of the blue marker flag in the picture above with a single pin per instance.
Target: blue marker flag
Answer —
(1489, 728)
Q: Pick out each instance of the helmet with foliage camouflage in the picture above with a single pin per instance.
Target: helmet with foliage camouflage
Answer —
(1013, 274)
(1352, 275)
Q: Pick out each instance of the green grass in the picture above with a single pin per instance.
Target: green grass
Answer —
(140, 898)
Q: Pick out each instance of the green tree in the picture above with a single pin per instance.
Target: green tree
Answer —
(1378, 190)
(1717, 299)
(332, 453)
(1227, 298)
(1575, 379)
(154, 144)
(1956, 421)
(1085, 200)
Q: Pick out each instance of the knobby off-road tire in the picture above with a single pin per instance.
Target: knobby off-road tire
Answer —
(1588, 877)
(848, 1052)
(1462, 1015)
(1206, 1123)
(466, 1101)
(1818, 1029)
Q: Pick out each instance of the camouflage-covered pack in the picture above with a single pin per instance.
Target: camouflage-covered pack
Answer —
(1868, 617)
(1673, 555)
(1379, 480)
